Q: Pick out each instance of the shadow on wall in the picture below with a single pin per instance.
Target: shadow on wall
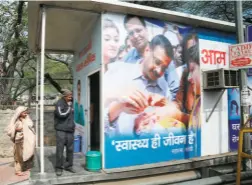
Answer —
(217, 125)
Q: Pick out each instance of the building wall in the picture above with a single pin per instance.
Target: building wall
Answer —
(87, 60)
(5, 142)
(215, 136)
(201, 138)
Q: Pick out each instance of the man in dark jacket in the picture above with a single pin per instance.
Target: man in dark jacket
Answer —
(64, 126)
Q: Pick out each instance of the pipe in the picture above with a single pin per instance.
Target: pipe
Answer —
(43, 29)
(215, 105)
(218, 179)
(37, 103)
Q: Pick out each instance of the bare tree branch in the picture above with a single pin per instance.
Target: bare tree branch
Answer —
(222, 10)
(27, 88)
(56, 59)
(53, 82)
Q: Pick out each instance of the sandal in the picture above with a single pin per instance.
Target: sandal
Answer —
(20, 173)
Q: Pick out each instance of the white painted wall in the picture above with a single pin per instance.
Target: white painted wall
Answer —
(82, 74)
(214, 133)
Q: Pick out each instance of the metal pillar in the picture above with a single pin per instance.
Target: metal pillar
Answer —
(243, 80)
(37, 102)
(42, 67)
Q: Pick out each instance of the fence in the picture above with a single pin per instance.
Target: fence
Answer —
(22, 91)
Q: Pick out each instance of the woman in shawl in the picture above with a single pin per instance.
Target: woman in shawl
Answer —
(22, 134)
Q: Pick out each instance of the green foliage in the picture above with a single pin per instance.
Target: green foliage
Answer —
(222, 10)
(17, 62)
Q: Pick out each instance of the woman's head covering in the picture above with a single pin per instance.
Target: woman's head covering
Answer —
(18, 111)
(11, 127)
(21, 109)
(28, 130)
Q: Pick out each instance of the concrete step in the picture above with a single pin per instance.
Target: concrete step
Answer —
(148, 180)
(222, 179)
(222, 170)
(22, 183)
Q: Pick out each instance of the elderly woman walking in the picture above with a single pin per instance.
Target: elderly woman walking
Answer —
(22, 133)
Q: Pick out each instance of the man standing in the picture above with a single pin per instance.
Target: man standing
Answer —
(64, 126)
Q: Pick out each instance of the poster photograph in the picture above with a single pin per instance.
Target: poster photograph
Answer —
(79, 117)
(151, 94)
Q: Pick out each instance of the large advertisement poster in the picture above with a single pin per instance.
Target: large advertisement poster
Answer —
(151, 94)
(234, 117)
(234, 108)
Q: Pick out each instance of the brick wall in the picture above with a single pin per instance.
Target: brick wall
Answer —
(5, 142)
(49, 132)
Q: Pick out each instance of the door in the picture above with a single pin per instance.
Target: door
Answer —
(94, 111)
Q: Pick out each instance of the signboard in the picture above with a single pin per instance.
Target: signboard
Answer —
(240, 55)
(245, 97)
(234, 110)
(213, 54)
(249, 33)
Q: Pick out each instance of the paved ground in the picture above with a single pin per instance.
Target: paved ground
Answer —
(7, 172)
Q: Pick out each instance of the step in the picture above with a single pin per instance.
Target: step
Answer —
(222, 170)
(26, 182)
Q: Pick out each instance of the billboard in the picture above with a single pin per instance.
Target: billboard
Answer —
(234, 114)
(249, 33)
(151, 94)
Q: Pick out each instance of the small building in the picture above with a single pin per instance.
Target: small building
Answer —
(138, 95)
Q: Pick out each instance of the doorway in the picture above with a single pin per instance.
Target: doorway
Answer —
(94, 102)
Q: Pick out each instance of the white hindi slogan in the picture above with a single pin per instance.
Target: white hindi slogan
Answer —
(155, 142)
(236, 126)
(235, 138)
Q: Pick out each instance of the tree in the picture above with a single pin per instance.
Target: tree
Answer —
(222, 10)
(17, 62)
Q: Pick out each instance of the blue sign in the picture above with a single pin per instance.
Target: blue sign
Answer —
(249, 33)
(234, 114)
